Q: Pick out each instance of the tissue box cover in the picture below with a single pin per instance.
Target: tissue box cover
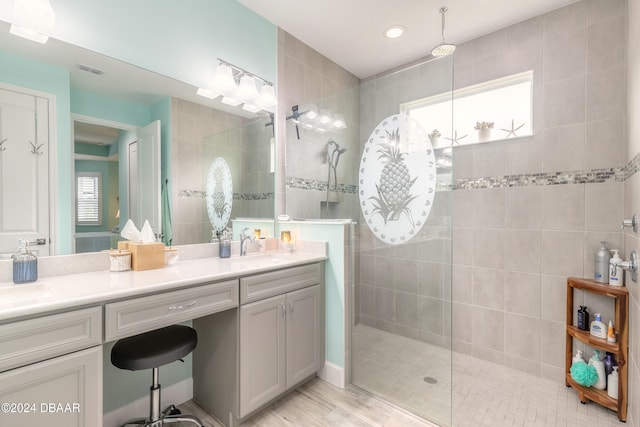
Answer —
(146, 256)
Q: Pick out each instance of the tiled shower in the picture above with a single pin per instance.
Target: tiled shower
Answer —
(486, 276)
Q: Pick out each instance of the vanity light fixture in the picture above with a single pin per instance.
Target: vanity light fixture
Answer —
(267, 97)
(32, 19)
(247, 90)
(394, 31)
(207, 93)
(251, 108)
(338, 121)
(238, 86)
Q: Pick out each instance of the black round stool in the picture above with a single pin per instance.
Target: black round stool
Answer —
(150, 351)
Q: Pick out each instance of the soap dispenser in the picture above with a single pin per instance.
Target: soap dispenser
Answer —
(616, 274)
(25, 264)
(224, 248)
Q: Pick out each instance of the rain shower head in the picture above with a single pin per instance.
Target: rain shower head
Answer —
(444, 48)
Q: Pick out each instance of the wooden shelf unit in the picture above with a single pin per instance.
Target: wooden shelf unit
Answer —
(619, 349)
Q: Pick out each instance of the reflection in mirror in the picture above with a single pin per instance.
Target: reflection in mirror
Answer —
(91, 85)
(249, 153)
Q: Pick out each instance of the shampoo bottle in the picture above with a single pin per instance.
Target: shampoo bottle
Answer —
(597, 363)
(598, 328)
(583, 318)
(224, 248)
(616, 274)
(612, 387)
(601, 264)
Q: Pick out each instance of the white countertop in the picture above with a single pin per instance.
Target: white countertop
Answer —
(77, 290)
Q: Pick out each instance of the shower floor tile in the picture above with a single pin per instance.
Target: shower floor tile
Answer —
(481, 394)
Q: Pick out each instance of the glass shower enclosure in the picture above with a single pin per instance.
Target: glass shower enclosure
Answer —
(389, 170)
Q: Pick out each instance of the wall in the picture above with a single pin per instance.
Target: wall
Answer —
(170, 39)
(190, 125)
(46, 78)
(109, 171)
(530, 212)
(305, 76)
(632, 200)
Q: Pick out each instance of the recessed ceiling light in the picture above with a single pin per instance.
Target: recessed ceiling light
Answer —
(394, 31)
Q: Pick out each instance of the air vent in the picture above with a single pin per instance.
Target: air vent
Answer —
(89, 69)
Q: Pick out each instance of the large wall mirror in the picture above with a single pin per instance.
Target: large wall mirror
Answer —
(100, 113)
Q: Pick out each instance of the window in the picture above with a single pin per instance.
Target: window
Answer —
(89, 198)
(495, 110)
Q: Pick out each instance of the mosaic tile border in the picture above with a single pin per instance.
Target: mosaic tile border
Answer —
(539, 179)
(197, 194)
(314, 184)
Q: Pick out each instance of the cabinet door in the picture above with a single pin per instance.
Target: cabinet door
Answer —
(65, 391)
(304, 338)
(262, 353)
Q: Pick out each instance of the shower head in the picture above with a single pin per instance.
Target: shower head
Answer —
(341, 150)
(444, 48)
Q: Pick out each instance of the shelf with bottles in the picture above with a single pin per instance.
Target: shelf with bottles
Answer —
(619, 348)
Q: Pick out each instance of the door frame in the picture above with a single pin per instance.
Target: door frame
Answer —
(53, 157)
(82, 118)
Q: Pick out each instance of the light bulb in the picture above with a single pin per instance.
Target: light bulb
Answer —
(247, 90)
(223, 80)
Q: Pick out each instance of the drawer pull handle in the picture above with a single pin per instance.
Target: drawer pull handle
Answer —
(284, 311)
(290, 307)
(183, 306)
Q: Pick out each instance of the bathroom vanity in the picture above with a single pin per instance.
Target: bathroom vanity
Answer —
(260, 321)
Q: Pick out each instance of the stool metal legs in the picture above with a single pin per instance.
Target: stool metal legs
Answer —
(157, 418)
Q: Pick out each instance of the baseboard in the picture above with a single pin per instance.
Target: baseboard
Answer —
(333, 374)
(174, 394)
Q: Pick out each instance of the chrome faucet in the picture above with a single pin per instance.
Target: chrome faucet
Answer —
(244, 236)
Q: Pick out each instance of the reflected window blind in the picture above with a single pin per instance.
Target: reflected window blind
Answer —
(89, 198)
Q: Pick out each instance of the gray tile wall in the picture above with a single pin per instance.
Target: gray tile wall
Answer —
(515, 244)
(305, 76)
(190, 124)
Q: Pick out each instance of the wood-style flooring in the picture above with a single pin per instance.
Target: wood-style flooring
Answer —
(318, 403)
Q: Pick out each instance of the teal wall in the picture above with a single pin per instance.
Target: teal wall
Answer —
(103, 107)
(35, 75)
(334, 282)
(109, 171)
(177, 39)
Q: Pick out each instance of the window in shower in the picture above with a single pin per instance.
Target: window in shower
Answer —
(490, 111)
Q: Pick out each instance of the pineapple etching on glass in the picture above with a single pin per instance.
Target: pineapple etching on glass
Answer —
(219, 205)
(219, 195)
(397, 179)
(394, 187)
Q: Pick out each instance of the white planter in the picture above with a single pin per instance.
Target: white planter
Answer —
(484, 135)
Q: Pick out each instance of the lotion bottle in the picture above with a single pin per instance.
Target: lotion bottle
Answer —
(612, 380)
(611, 332)
(616, 274)
(598, 328)
(601, 264)
(597, 363)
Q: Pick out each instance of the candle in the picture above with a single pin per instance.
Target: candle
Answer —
(285, 236)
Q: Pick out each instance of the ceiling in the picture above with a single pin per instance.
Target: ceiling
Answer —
(351, 32)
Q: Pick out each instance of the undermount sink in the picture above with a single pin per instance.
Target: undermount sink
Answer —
(259, 259)
(14, 293)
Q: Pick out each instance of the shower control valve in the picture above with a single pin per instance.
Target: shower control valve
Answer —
(633, 223)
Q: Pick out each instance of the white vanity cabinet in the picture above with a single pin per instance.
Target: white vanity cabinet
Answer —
(273, 342)
(280, 342)
(52, 370)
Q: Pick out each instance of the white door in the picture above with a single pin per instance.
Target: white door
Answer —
(144, 177)
(24, 172)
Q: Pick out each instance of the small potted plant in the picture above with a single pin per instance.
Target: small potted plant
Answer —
(433, 137)
(484, 130)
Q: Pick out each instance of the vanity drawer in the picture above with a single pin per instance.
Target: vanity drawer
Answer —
(134, 316)
(260, 286)
(32, 340)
